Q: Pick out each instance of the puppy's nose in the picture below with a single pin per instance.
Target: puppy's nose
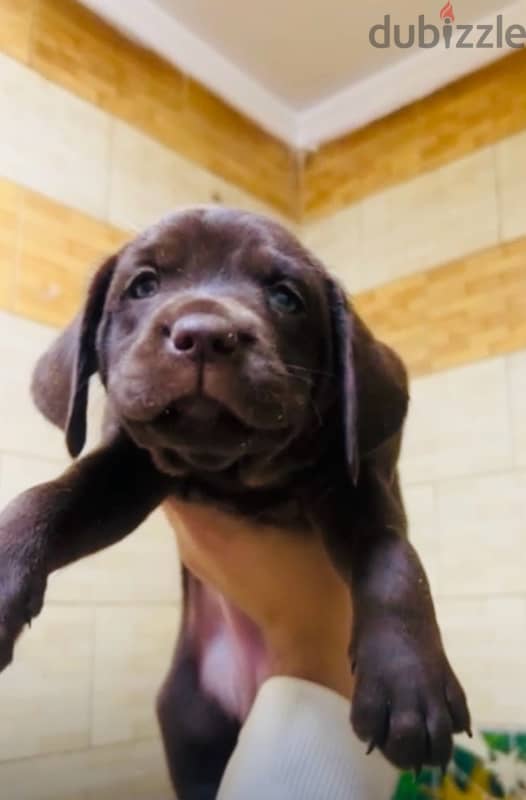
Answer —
(205, 337)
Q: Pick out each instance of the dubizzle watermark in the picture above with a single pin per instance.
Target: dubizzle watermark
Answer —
(468, 37)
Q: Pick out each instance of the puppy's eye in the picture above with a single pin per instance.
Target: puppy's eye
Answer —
(146, 284)
(285, 299)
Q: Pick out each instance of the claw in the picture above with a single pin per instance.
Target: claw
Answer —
(469, 732)
(372, 746)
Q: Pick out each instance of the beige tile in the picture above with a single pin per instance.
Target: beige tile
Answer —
(52, 141)
(149, 180)
(511, 166)
(482, 535)
(133, 650)
(228, 194)
(337, 241)
(486, 642)
(45, 693)
(143, 569)
(20, 472)
(23, 430)
(133, 771)
(517, 376)
(458, 423)
(423, 533)
(430, 220)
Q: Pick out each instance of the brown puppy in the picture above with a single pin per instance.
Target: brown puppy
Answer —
(238, 378)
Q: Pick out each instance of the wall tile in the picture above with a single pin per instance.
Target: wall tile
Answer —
(517, 377)
(19, 472)
(44, 694)
(423, 223)
(76, 49)
(23, 430)
(134, 771)
(226, 143)
(337, 241)
(15, 24)
(482, 535)
(140, 570)
(467, 310)
(511, 172)
(59, 252)
(133, 650)
(149, 180)
(486, 641)
(423, 532)
(10, 208)
(458, 423)
(52, 141)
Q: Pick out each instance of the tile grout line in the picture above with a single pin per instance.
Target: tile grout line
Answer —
(78, 751)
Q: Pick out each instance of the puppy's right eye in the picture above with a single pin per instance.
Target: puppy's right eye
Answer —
(146, 284)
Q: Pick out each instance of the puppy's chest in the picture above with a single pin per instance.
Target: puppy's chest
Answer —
(212, 537)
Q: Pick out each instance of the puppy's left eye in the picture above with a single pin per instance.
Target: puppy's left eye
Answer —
(146, 284)
(285, 299)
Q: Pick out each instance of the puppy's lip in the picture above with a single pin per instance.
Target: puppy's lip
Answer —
(207, 461)
(193, 417)
(197, 407)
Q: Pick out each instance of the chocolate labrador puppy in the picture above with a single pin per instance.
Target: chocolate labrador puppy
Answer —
(238, 376)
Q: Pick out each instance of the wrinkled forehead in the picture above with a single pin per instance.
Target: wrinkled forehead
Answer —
(214, 239)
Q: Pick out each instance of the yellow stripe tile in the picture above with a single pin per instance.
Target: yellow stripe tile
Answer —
(59, 249)
(464, 311)
(15, 27)
(10, 205)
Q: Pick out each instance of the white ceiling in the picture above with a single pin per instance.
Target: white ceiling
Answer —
(305, 51)
(305, 71)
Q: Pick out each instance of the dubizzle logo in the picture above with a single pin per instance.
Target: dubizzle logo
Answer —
(451, 33)
(447, 13)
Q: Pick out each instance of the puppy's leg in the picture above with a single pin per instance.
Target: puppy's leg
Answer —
(95, 503)
(198, 736)
(407, 699)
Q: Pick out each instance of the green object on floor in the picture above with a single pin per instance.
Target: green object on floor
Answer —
(493, 767)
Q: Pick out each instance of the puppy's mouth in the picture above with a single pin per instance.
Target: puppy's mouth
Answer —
(196, 418)
(201, 432)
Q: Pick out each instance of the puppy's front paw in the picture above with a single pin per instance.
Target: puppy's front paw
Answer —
(407, 701)
(22, 591)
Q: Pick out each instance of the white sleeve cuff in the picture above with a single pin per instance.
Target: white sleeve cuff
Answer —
(298, 744)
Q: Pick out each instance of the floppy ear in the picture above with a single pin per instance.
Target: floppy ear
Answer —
(61, 376)
(374, 387)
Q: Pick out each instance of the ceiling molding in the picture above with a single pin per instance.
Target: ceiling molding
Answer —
(354, 107)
